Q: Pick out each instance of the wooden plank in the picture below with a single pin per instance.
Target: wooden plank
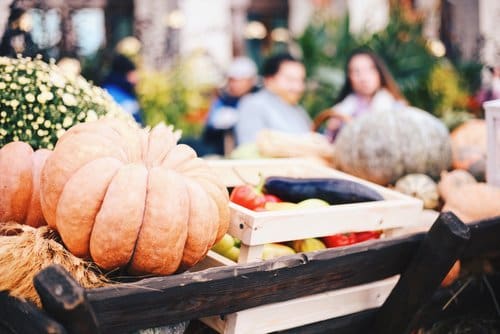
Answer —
(257, 228)
(492, 112)
(436, 255)
(305, 310)
(359, 322)
(65, 300)
(160, 301)
(484, 238)
(20, 317)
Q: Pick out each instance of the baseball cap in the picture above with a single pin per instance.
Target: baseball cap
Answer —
(242, 68)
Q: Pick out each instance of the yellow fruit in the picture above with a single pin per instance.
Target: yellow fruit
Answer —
(276, 250)
(312, 203)
(278, 206)
(308, 245)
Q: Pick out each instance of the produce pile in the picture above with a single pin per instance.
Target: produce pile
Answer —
(286, 193)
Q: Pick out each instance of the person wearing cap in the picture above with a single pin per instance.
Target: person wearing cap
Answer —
(218, 134)
(276, 106)
(120, 84)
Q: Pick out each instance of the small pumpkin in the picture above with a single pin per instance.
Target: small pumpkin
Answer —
(381, 146)
(20, 169)
(452, 181)
(469, 146)
(468, 199)
(420, 186)
(133, 199)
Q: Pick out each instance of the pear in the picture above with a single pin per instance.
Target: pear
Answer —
(276, 250)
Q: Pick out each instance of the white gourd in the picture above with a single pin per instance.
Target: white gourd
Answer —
(420, 186)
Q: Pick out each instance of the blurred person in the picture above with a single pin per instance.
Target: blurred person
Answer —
(120, 84)
(218, 134)
(17, 37)
(368, 86)
(275, 106)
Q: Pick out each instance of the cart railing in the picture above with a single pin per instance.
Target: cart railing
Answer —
(422, 260)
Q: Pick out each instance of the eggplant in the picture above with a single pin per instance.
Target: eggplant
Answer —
(332, 190)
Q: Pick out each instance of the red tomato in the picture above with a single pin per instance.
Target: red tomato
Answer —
(367, 235)
(337, 240)
(248, 197)
(272, 198)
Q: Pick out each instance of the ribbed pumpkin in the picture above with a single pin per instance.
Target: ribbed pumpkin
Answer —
(469, 145)
(132, 199)
(420, 186)
(382, 146)
(20, 169)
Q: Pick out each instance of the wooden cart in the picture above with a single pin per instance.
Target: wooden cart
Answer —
(422, 260)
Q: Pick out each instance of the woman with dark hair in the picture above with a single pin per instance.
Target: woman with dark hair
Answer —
(368, 86)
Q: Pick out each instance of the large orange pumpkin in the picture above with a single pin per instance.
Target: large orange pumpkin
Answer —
(20, 169)
(132, 199)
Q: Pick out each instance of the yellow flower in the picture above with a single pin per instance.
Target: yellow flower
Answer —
(67, 122)
(23, 80)
(69, 100)
(14, 103)
(57, 80)
(30, 97)
(44, 96)
(91, 116)
(2, 85)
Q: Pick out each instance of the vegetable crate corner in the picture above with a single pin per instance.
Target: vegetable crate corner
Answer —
(258, 229)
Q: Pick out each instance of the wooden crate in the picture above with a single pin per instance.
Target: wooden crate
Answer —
(298, 311)
(258, 228)
(493, 155)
